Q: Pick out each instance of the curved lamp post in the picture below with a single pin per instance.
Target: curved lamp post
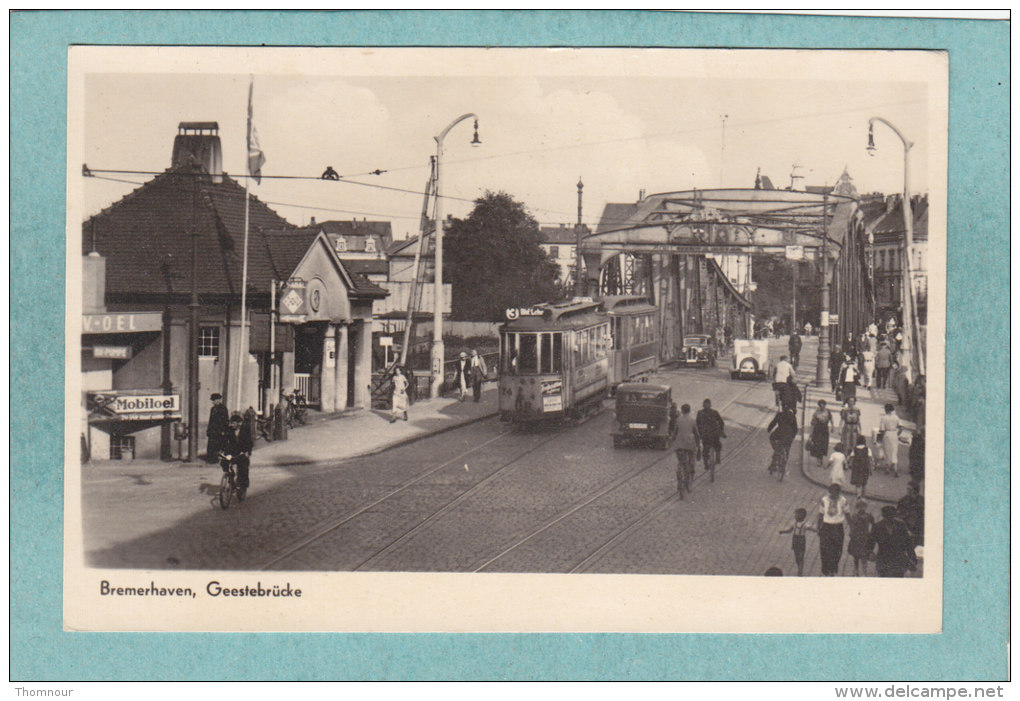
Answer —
(908, 232)
(438, 351)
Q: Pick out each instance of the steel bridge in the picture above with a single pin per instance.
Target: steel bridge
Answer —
(666, 245)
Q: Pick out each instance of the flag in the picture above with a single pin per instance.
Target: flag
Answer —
(255, 156)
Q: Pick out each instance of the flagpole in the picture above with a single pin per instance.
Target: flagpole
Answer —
(241, 350)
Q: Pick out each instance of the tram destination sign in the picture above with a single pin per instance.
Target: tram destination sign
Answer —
(517, 312)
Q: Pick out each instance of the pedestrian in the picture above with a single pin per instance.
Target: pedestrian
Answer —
(795, 345)
(850, 345)
(687, 447)
(784, 370)
(883, 361)
(789, 395)
(848, 374)
(831, 517)
(850, 423)
(868, 362)
(915, 457)
(835, 363)
(216, 431)
(837, 466)
(711, 429)
(782, 430)
(910, 510)
(888, 438)
(799, 544)
(860, 523)
(895, 546)
(873, 329)
(478, 373)
(399, 394)
(821, 422)
(861, 466)
(462, 374)
(807, 329)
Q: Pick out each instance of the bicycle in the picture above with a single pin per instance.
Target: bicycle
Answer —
(780, 455)
(228, 484)
(264, 427)
(711, 458)
(684, 471)
(297, 409)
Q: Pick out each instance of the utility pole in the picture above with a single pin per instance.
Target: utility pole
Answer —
(193, 308)
(579, 282)
(823, 322)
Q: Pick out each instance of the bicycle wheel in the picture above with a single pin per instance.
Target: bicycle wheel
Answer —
(710, 462)
(226, 492)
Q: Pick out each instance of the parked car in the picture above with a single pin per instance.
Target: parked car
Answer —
(750, 359)
(699, 349)
(645, 413)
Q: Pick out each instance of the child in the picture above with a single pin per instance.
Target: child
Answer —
(798, 527)
(860, 530)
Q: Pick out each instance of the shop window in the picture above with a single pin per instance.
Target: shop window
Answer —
(122, 447)
(209, 342)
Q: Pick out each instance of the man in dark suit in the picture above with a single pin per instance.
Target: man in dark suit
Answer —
(219, 426)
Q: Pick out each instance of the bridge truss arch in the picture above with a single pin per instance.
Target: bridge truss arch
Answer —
(667, 247)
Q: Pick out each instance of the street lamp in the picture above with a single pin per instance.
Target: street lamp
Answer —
(438, 351)
(908, 232)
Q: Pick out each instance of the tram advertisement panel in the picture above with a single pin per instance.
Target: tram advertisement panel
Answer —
(552, 395)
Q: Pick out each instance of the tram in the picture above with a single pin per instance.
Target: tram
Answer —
(554, 361)
(634, 350)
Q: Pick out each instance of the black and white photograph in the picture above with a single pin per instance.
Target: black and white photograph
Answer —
(517, 339)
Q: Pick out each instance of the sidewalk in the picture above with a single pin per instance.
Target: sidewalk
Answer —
(343, 436)
(881, 485)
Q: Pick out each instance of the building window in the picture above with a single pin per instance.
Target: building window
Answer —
(122, 447)
(554, 251)
(370, 245)
(341, 244)
(209, 342)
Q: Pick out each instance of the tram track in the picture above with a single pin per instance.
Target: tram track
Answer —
(593, 558)
(613, 486)
(332, 526)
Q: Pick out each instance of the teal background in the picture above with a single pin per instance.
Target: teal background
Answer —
(976, 615)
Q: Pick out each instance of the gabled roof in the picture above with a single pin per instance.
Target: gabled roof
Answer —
(408, 247)
(890, 224)
(365, 266)
(146, 236)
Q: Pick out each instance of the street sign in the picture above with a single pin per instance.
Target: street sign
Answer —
(794, 253)
(129, 322)
(112, 352)
(385, 341)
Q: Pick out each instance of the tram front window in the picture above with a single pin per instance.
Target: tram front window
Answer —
(528, 357)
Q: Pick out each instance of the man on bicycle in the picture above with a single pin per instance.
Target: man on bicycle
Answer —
(711, 429)
(237, 445)
(782, 432)
(687, 445)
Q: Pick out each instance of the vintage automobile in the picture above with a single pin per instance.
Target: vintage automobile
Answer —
(750, 359)
(699, 349)
(645, 413)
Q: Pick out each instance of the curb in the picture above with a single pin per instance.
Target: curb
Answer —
(388, 446)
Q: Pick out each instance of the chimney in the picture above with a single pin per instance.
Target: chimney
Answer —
(311, 221)
(198, 143)
(641, 195)
(93, 283)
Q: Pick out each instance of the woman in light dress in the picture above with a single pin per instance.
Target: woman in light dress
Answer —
(889, 429)
(399, 395)
(837, 466)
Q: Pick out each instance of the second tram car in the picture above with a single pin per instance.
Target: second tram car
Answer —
(554, 362)
(634, 324)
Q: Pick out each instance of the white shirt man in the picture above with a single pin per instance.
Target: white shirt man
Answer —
(784, 370)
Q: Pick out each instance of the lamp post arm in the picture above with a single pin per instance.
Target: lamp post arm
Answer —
(907, 143)
(458, 120)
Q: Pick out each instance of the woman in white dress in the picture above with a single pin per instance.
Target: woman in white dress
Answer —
(399, 395)
(837, 466)
(889, 429)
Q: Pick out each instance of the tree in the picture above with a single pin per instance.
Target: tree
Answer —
(494, 260)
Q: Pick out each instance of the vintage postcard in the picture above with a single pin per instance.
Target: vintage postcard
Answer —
(509, 339)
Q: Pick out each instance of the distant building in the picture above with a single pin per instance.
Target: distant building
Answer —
(884, 224)
(560, 244)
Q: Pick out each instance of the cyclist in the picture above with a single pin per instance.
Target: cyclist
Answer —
(237, 450)
(711, 429)
(687, 446)
(782, 432)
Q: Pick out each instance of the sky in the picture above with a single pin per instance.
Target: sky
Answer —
(622, 121)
